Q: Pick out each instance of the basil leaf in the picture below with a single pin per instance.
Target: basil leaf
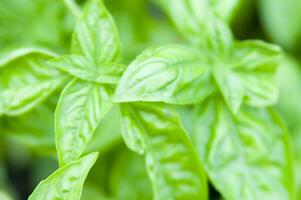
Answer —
(172, 163)
(95, 35)
(247, 155)
(25, 131)
(81, 68)
(26, 80)
(173, 74)
(80, 108)
(65, 183)
(197, 23)
(187, 15)
(250, 76)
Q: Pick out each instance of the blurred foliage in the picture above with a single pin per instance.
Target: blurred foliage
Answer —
(27, 141)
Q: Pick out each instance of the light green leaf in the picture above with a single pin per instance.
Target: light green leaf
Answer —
(25, 131)
(173, 74)
(95, 35)
(67, 182)
(172, 163)
(80, 67)
(26, 80)
(187, 15)
(196, 21)
(250, 75)
(128, 178)
(281, 22)
(247, 155)
(81, 107)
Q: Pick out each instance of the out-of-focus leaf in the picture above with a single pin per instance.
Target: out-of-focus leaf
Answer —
(128, 178)
(44, 23)
(289, 77)
(5, 196)
(96, 36)
(65, 183)
(26, 80)
(80, 108)
(250, 75)
(197, 23)
(171, 160)
(24, 129)
(92, 192)
(108, 133)
(173, 74)
(282, 21)
(248, 155)
(80, 67)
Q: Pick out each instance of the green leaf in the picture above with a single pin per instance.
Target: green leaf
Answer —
(26, 80)
(65, 183)
(80, 67)
(80, 108)
(247, 155)
(95, 35)
(281, 21)
(250, 75)
(172, 162)
(43, 23)
(173, 74)
(225, 9)
(25, 131)
(187, 15)
(196, 22)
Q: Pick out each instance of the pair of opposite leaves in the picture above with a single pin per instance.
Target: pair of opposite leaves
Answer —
(243, 145)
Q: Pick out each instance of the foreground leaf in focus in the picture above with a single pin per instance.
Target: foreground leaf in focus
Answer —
(26, 80)
(171, 160)
(87, 99)
(65, 183)
(172, 74)
(95, 36)
(80, 67)
(248, 155)
(81, 107)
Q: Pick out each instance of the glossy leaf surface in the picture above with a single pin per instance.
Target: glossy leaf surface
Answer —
(172, 163)
(95, 35)
(65, 183)
(26, 80)
(81, 107)
(173, 74)
(81, 68)
(247, 156)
